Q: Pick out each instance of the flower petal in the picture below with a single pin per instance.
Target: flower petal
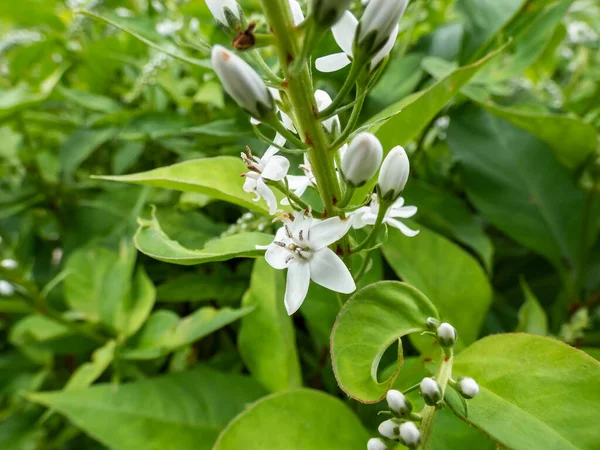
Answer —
(277, 257)
(297, 15)
(298, 280)
(298, 184)
(332, 63)
(328, 231)
(357, 216)
(265, 192)
(277, 168)
(403, 212)
(329, 271)
(400, 226)
(386, 49)
(344, 31)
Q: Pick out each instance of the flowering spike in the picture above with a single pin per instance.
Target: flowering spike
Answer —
(398, 402)
(394, 174)
(328, 12)
(377, 24)
(241, 82)
(467, 387)
(409, 434)
(362, 159)
(431, 391)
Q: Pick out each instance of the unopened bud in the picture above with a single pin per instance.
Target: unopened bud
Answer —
(226, 12)
(431, 391)
(9, 264)
(446, 334)
(390, 429)
(377, 24)
(467, 387)
(6, 288)
(432, 323)
(242, 82)
(376, 444)
(362, 159)
(394, 174)
(328, 12)
(398, 402)
(409, 434)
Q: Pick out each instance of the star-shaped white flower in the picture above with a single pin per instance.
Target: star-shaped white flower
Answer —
(344, 32)
(269, 167)
(302, 247)
(367, 215)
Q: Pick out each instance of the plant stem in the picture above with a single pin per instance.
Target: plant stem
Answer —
(352, 121)
(428, 413)
(374, 230)
(344, 91)
(300, 92)
(363, 267)
(260, 62)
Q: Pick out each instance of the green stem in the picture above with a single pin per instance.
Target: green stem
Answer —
(290, 195)
(374, 230)
(352, 121)
(260, 62)
(428, 413)
(287, 134)
(347, 197)
(363, 268)
(300, 93)
(581, 269)
(344, 91)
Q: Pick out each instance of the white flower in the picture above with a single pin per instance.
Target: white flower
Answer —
(220, 9)
(323, 100)
(362, 159)
(344, 32)
(328, 12)
(299, 183)
(394, 173)
(378, 23)
(409, 433)
(376, 444)
(389, 429)
(467, 387)
(398, 402)
(431, 391)
(269, 167)
(446, 334)
(6, 288)
(9, 264)
(242, 82)
(301, 246)
(367, 215)
(297, 14)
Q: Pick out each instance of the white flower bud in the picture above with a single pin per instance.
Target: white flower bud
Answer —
(6, 288)
(394, 174)
(398, 402)
(9, 264)
(376, 444)
(227, 12)
(446, 334)
(432, 323)
(431, 391)
(389, 429)
(328, 12)
(362, 159)
(409, 433)
(241, 82)
(467, 387)
(377, 24)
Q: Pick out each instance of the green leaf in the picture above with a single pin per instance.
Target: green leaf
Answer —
(165, 332)
(218, 284)
(303, 419)
(146, 33)
(517, 184)
(151, 240)
(370, 321)
(81, 145)
(535, 392)
(218, 177)
(451, 278)
(89, 372)
(532, 317)
(137, 305)
(183, 411)
(449, 215)
(266, 340)
(89, 100)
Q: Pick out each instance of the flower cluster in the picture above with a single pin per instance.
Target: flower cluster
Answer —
(341, 165)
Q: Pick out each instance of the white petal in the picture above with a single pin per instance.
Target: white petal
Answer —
(301, 227)
(298, 280)
(386, 49)
(277, 257)
(357, 216)
(297, 15)
(277, 168)
(332, 63)
(265, 192)
(344, 31)
(250, 184)
(400, 226)
(328, 231)
(216, 8)
(403, 212)
(329, 271)
(254, 121)
(298, 184)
